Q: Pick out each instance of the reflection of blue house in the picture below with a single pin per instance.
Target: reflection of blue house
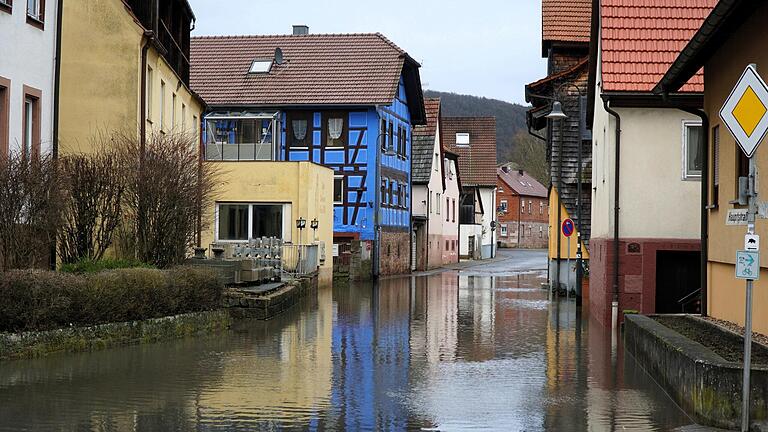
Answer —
(344, 101)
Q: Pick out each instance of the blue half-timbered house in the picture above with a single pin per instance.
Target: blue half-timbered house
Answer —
(345, 101)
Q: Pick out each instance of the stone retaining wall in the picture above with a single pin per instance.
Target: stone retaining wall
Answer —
(244, 305)
(704, 384)
(37, 344)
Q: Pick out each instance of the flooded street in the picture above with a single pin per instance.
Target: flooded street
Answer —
(476, 349)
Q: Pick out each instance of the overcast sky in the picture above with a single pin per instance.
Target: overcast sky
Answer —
(488, 48)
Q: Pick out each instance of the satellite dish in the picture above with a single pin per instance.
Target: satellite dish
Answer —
(278, 56)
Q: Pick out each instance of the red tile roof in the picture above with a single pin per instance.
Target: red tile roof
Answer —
(522, 183)
(566, 21)
(432, 107)
(319, 69)
(641, 39)
(477, 162)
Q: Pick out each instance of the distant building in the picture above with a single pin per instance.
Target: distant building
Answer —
(565, 43)
(299, 98)
(436, 195)
(474, 140)
(27, 76)
(523, 210)
(647, 165)
(731, 37)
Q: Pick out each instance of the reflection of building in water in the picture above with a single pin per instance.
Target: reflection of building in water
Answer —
(291, 368)
(476, 317)
(371, 349)
(434, 318)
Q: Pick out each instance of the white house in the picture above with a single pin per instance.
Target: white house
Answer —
(645, 243)
(473, 139)
(436, 194)
(27, 75)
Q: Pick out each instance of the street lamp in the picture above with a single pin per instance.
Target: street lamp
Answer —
(314, 225)
(558, 114)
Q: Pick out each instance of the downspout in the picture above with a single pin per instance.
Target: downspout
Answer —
(149, 37)
(616, 195)
(56, 99)
(704, 255)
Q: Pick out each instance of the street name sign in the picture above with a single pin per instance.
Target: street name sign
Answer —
(745, 111)
(736, 217)
(747, 265)
(752, 242)
(568, 227)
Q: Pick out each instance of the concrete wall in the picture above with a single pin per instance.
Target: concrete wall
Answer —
(28, 60)
(466, 231)
(488, 196)
(726, 293)
(306, 186)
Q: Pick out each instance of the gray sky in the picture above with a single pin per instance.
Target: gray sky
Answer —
(488, 48)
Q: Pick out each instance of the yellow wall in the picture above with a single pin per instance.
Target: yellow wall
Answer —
(173, 121)
(101, 76)
(726, 293)
(308, 187)
(554, 231)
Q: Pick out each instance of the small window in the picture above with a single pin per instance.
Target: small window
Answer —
(390, 136)
(541, 208)
(384, 194)
(503, 207)
(453, 202)
(383, 135)
(150, 93)
(173, 111)
(447, 245)
(336, 131)
(447, 206)
(162, 105)
(4, 116)
(530, 206)
(36, 12)
(437, 202)
(299, 134)
(31, 122)
(541, 232)
(338, 190)
(6, 6)
(462, 139)
(260, 66)
(437, 159)
(503, 230)
(692, 155)
(184, 117)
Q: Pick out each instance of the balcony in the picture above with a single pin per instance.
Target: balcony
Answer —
(243, 137)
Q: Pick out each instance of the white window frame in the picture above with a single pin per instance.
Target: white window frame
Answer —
(29, 124)
(173, 111)
(685, 125)
(338, 177)
(150, 93)
(162, 106)
(288, 222)
(504, 204)
(503, 230)
(463, 139)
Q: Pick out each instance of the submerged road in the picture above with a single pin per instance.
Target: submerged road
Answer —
(477, 347)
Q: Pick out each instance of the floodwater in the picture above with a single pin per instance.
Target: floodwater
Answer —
(470, 350)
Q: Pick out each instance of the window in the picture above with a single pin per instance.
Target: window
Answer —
(453, 245)
(454, 209)
(447, 246)
(162, 105)
(183, 117)
(503, 206)
(384, 195)
(260, 66)
(335, 132)
(530, 206)
(462, 139)
(395, 194)
(36, 12)
(6, 6)
(31, 122)
(447, 207)
(173, 111)
(503, 230)
(692, 155)
(338, 189)
(522, 231)
(437, 159)
(5, 84)
(715, 165)
(299, 134)
(437, 202)
(390, 138)
(402, 137)
(383, 135)
(195, 128)
(241, 138)
(150, 93)
(541, 208)
(541, 232)
(241, 222)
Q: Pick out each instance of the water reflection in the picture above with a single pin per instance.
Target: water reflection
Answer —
(449, 351)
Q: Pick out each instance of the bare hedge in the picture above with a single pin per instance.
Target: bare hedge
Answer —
(36, 300)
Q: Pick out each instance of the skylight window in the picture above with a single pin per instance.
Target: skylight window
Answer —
(462, 138)
(260, 66)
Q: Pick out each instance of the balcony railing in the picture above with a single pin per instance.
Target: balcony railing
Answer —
(239, 152)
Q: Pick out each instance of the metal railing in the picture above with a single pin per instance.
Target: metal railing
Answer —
(239, 152)
(299, 260)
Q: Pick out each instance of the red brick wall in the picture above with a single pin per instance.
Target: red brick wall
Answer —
(637, 274)
(538, 217)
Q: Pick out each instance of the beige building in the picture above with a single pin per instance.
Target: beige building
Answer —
(732, 37)
(125, 68)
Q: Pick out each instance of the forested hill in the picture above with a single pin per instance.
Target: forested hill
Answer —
(510, 118)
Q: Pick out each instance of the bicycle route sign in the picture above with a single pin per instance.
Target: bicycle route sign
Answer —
(747, 265)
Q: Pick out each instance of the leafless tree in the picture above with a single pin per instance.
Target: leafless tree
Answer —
(93, 205)
(30, 209)
(166, 188)
(530, 154)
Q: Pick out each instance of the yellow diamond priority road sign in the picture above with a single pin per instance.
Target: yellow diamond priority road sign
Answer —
(746, 111)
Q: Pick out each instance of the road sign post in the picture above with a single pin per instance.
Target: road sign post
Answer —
(744, 113)
(568, 229)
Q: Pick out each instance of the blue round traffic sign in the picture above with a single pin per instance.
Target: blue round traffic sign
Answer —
(568, 227)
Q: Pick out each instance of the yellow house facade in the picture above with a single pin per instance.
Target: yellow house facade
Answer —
(108, 49)
(730, 39)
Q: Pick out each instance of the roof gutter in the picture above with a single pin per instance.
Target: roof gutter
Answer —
(616, 216)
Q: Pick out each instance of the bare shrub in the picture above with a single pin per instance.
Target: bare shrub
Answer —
(167, 186)
(93, 205)
(30, 210)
